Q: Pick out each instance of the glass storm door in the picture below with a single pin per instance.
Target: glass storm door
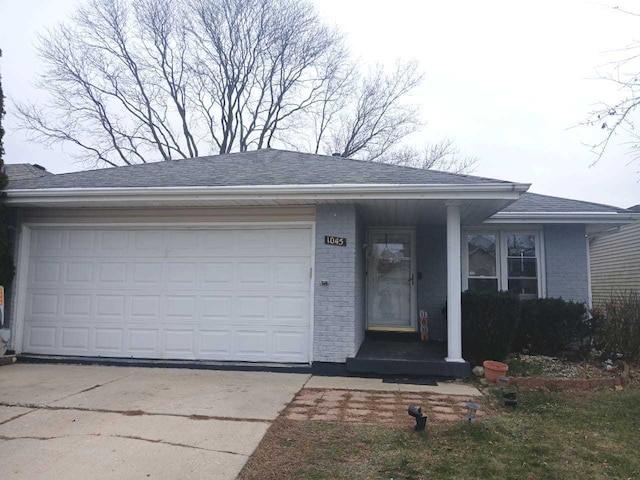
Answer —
(391, 280)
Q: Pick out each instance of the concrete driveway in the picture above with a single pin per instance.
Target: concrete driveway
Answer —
(67, 421)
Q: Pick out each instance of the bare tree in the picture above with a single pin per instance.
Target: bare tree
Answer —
(618, 118)
(132, 81)
(443, 155)
(378, 117)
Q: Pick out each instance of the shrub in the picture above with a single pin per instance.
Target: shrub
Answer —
(489, 323)
(620, 332)
(552, 325)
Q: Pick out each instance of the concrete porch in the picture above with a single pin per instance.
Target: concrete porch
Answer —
(404, 354)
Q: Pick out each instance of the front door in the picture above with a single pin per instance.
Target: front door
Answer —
(391, 279)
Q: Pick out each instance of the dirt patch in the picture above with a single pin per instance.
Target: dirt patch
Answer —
(373, 407)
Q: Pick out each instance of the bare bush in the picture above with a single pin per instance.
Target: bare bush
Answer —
(620, 329)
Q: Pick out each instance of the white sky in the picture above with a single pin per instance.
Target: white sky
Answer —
(506, 79)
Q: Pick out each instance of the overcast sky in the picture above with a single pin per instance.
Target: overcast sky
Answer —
(506, 79)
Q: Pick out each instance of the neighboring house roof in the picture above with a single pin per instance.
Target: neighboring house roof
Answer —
(534, 202)
(260, 167)
(534, 208)
(22, 171)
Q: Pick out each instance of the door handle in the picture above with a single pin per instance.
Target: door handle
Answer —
(411, 279)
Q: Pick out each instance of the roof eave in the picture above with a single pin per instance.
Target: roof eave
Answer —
(616, 218)
(310, 193)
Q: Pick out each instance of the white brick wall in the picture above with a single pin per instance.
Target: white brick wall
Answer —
(566, 262)
(336, 305)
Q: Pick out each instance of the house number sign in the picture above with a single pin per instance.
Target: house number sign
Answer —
(338, 241)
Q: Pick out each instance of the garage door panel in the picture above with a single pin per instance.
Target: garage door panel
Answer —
(227, 294)
(79, 240)
(256, 242)
(41, 337)
(78, 272)
(108, 341)
(251, 308)
(47, 242)
(218, 242)
(112, 242)
(290, 309)
(75, 339)
(181, 306)
(143, 341)
(251, 274)
(110, 272)
(43, 272)
(179, 343)
(78, 306)
(291, 274)
(182, 242)
(215, 344)
(289, 344)
(146, 273)
(217, 274)
(291, 242)
(110, 306)
(253, 344)
(147, 243)
(42, 304)
(217, 307)
(144, 306)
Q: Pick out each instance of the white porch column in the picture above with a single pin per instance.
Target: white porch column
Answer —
(454, 290)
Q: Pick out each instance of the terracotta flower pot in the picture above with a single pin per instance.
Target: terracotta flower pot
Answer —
(493, 370)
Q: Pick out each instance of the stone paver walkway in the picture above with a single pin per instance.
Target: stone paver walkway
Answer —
(376, 407)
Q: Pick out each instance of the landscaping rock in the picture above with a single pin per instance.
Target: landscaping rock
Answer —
(478, 371)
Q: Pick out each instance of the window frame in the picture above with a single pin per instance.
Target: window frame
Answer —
(501, 232)
(498, 274)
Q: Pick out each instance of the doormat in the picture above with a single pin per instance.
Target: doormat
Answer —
(411, 381)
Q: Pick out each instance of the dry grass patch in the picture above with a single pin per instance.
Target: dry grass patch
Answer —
(552, 435)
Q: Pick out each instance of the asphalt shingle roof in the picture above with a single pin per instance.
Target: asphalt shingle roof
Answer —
(534, 202)
(21, 171)
(260, 167)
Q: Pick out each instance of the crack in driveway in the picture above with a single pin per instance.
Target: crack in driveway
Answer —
(92, 388)
(131, 413)
(17, 416)
(128, 437)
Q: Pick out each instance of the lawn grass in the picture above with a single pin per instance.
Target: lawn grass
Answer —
(551, 435)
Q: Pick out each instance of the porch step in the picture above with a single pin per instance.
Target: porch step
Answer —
(426, 367)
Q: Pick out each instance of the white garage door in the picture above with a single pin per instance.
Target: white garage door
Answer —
(219, 294)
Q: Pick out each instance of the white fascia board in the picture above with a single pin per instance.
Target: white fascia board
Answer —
(311, 193)
(564, 217)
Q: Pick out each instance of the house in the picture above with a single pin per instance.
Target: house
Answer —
(615, 261)
(281, 257)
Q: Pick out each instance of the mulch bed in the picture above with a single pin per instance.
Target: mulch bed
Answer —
(555, 367)
(378, 407)
(567, 374)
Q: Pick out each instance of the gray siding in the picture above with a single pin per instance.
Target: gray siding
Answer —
(335, 305)
(566, 262)
(615, 262)
(432, 267)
